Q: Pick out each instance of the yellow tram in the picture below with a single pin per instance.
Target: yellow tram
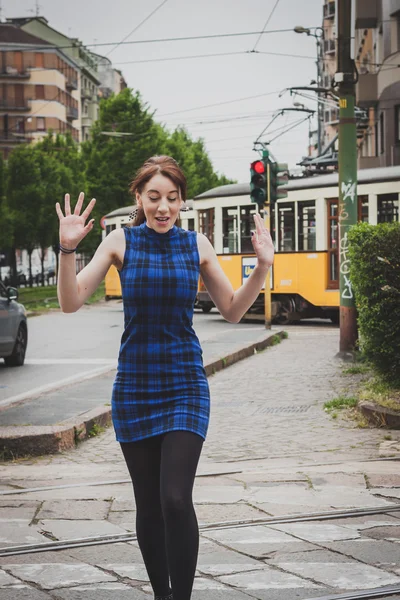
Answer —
(305, 275)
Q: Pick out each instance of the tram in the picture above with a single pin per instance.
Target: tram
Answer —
(304, 227)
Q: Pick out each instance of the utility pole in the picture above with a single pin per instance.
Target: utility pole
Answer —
(348, 200)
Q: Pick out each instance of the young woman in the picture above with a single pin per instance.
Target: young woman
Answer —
(160, 401)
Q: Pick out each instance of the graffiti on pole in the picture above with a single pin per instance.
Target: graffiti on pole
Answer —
(347, 292)
(348, 191)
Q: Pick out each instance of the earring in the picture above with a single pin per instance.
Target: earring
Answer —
(133, 214)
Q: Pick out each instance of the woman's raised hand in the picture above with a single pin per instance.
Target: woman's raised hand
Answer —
(262, 243)
(72, 226)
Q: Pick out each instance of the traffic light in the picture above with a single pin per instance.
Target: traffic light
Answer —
(278, 177)
(258, 182)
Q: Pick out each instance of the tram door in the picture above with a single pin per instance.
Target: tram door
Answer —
(333, 237)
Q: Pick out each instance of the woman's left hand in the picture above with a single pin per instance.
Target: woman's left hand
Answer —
(262, 243)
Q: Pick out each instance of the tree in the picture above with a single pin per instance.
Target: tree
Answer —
(24, 190)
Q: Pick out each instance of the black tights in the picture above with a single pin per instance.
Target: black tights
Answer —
(163, 469)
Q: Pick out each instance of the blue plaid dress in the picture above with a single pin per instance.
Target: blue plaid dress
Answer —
(160, 384)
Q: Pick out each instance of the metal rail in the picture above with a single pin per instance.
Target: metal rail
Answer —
(131, 537)
(382, 592)
(93, 483)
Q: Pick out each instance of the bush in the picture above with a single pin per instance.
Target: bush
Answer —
(375, 276)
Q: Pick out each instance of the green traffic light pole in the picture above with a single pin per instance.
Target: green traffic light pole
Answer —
(348, 202)
(267, 223)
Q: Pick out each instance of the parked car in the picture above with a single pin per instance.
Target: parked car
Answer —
(13, 327)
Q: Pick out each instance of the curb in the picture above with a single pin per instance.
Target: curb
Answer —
(379, 415)
(22, 440)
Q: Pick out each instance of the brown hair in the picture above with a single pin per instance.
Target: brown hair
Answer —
(164, 165)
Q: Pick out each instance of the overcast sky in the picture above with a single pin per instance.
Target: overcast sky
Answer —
(178, 86)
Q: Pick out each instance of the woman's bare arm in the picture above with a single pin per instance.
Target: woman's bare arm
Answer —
(73, 290)
(234, 304)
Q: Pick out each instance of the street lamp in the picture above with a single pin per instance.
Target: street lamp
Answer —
(318, 36)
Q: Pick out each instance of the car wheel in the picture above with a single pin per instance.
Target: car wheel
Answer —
(17, 357)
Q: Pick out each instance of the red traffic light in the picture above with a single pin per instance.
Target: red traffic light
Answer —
(258, 166)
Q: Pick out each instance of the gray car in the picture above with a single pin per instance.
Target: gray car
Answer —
(13, 327)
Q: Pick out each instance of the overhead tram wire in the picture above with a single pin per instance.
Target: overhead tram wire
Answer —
(266, 23)
(137, 27)
(164, 40)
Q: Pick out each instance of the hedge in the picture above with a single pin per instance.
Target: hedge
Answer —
(375, 275)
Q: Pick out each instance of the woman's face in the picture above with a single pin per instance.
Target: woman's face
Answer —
(161, 202)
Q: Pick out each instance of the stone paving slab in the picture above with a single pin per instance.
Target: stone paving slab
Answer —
(25, 592)
(66, 530)
(80, 509)
(18, 531)
(103, 591)
(256, 541)
(373, 552)
(318, 532)
(58, 575)
(268, 579)
(349, 576)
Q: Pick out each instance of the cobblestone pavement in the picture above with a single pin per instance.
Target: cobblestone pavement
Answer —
(271, 450)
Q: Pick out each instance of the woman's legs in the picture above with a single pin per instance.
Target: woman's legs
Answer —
(180, 453)
(143, 459)
(163, 469)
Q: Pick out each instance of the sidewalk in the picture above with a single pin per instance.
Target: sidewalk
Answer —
(57, 420)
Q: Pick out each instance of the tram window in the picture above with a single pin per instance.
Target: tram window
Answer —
(230, 230)
(388, 208)
(286, 227)
(306, 228)
(206, 224)
(246, 226)
(110, 228)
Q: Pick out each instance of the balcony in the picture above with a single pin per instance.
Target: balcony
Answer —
(86, 121)
(329, 10)
(86, 93)
(14, 105)
(13, 138)
(72, 112)
(12, 72)
(367, 89)
(329, 46)
(72, 83)
(366, 14)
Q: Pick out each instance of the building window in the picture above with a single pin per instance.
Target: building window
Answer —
(246, 225)
(381, 134)
(286, 229)
(190, 225)
(39, 92)
(306, 228)
(40, 123)
(39, 60)
(388, 208)
(230, 230)
(397, 122)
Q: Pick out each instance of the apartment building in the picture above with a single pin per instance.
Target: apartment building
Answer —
(377, 52)
(111, 80)
(377, 58)
(38, 89)
(88, 78)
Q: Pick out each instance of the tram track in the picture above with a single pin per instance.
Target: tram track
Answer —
(218, 526)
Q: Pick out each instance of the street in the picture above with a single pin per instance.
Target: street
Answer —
(66, 348)
(271, 451)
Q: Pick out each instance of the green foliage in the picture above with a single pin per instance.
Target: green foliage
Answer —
(375, 276)
(39, 175)
(340, 402)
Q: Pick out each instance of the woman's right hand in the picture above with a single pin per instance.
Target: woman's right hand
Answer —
(72, 226)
